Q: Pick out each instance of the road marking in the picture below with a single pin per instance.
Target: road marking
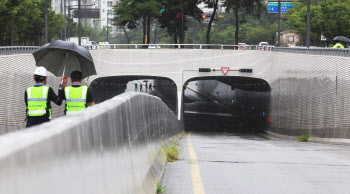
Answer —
(197, 184)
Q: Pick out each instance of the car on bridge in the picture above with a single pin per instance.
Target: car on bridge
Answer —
(263, 46)
(244, 46)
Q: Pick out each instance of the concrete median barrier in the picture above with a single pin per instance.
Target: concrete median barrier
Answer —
(113, 147)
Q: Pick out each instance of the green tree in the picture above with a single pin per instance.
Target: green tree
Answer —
(25, 20)
(297, 18)
(171, 18)
(211, 4)
(332, 18)
(130, 12)
(246, 7)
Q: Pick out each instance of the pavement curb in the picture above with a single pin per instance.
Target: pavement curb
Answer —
(312, 139)
(154, 174)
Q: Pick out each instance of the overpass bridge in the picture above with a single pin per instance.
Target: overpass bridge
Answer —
(290, 92)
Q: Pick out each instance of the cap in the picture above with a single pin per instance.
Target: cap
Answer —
(41, 71)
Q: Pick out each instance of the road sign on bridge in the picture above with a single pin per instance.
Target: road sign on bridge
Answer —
(273, 7)
(225, 70)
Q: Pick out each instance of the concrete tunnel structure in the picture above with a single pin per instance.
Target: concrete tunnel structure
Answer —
(301, 94)
(308, 92)
(247, 94)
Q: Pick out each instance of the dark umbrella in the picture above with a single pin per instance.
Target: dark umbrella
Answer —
(342, 39)
(62, 58)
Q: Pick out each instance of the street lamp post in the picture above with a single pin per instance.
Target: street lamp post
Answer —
(46, 21)
(65, 17)
(308, 25)
(107, 24)
(279, 23)
(79, 23)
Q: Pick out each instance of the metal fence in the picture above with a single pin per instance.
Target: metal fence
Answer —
(17, 50)
(315, 51)
(172, 46)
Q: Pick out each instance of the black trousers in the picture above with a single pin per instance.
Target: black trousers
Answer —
(32, 121)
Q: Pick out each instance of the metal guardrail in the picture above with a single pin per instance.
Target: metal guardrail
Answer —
(315, 51)
(174, 46)
(9, 50)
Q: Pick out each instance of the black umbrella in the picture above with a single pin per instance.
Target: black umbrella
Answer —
(62, 58)
(342, 39)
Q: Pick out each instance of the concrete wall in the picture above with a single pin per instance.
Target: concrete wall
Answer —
(108, 148)
(309, 93)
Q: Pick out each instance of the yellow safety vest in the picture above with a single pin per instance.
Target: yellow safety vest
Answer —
(37, 101)
(75, 99)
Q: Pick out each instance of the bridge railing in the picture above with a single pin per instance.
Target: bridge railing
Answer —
(17, 49)
(315, 51)
(173, 46)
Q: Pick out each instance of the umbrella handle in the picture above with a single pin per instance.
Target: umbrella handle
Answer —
(64, 67)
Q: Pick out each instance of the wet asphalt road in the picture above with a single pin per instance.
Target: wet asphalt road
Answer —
(255, 164)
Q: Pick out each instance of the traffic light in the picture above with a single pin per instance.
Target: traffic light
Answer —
(177, 15)
(204, 16)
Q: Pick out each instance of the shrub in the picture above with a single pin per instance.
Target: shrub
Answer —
(304, 138)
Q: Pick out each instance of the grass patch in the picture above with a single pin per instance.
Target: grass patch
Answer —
(171, 151)
(160, 188)
(304, 138)
(176, 143)
(182, 135)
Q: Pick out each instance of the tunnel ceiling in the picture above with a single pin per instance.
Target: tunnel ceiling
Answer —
(242, 83)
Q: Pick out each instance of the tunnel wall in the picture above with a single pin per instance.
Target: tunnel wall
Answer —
(255, 109)
(309, 93)
(107, 148)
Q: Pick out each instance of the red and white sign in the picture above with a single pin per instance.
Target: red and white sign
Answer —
(225, 70)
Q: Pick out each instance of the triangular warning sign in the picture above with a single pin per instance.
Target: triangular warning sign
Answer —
(225, 70)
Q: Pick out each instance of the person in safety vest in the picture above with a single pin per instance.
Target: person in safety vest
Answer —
(77, 96)
(338, 45)
(38, 99)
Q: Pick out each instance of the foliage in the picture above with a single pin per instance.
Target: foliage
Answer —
(160, 188)
(304, 138)
(333, 18)
(129, 12)
(94, 33)
(330, 18)
(27, 19)
(171, 18)
(211, 4)
(245, 7)
(182, 135)
(171, 151)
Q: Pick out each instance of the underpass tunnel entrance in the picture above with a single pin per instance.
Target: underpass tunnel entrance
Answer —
(105, 88)
(226, 104)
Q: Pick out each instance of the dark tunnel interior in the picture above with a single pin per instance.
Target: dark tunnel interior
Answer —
(105, 88)
(230, 104)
